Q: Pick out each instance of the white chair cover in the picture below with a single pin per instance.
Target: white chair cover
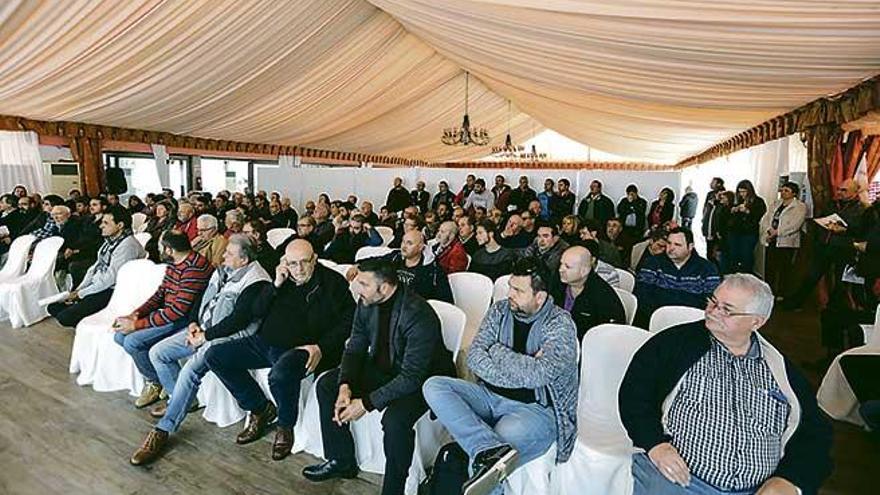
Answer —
(630, 304)
(868, 330)
(601, 461)
(535, 478)
(20, 296)
(328, 263)
(501, 288)
(16, 260)
(670, 316)
(387, 234)
(835, 395)
(371, 252)
(138, 222)
(143, 238)
(472, 294)
(452, 322)
(627, 280)
(276, 236)
(101, 362)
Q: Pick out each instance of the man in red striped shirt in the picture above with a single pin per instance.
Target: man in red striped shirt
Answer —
(166, 312)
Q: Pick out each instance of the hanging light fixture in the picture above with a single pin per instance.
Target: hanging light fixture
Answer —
(465, 135)
(509, 150)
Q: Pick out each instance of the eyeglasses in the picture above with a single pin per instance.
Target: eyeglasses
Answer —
(712, 303)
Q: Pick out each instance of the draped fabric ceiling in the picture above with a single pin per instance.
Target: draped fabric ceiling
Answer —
(652, 80)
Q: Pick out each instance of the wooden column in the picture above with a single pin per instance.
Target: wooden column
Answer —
(87, 151)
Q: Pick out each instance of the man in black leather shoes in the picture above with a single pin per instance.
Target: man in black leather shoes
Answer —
(395, 345)
(303, 332)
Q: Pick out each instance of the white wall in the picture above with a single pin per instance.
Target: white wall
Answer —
(302, 184)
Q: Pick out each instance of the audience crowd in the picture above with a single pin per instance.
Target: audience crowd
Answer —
(232, 302)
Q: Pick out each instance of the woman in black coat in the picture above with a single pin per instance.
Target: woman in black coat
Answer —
(744, 227)
(662, 209)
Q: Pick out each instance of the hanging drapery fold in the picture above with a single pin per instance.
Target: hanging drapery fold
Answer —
(86, 150)
(20, 162)
(872, 156)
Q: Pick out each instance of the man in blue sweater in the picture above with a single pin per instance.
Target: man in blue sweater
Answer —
(679, 277)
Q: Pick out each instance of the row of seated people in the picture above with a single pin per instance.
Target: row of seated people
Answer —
(386, 353)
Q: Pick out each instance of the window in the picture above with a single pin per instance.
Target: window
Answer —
(219, 174)
(142, 176)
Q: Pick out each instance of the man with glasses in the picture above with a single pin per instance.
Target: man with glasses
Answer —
(681, 277)
(303, 332)
(716, 409)
(209, 242)
(525, 359)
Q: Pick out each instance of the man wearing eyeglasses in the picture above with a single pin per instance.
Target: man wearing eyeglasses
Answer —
(678, 277)
(716, 409)
(209, 242)
(303, 332)
(525, 358)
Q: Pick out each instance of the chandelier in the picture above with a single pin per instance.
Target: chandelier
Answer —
(465, 135)
(515, 152)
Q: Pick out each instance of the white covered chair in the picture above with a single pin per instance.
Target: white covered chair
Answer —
(630, 304)
(601, 461)
(472, 293)
(138, 222)
(868, 330)
(627, 280)
(371, 252)
(835, 395)
(100, 361)
(670, 316)
(143, 238)
(20, 296)
(328, 263)
(276, 236)
(16, 261)
(501, 288)
(387, 234)
(452, 322)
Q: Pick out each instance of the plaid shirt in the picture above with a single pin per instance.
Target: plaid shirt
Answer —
(728, 418)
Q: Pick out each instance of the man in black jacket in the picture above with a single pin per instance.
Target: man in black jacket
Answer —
(717, 409)
(303, 332)
(395, 345)
(596, 205)
(11, 221)
(522, 196)
(419, 197)
(584, 294)
(398, 197)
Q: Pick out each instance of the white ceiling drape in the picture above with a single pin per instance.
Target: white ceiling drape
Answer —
(654, 80)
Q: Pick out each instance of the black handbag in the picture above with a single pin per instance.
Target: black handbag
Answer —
(449, 473)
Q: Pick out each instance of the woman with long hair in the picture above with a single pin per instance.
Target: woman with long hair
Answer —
(135, 204)
(162, 221)
(662, 208)
(744, 229)
(570, 231)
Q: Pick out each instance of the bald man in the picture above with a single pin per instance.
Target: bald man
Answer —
(583, 293)
(449, 251)
(303, 332)
(186, 220)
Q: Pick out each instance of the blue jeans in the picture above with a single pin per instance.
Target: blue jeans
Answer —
(181, 383)
(138, 343)
(231, 360)
(480, 419)
(648, 480)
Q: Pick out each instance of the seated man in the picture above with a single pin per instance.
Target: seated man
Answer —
(547, 247)
(525, 357)
(166, 311)
(449, 252)
(395, 345)
(265, 254)
(303, 332)
(345, 244)
(605, 250)
(237, 297)
(718, 410)
(187, 221)
(209, 243)
(680, 278)
(583, 293)
(654, 245)
(93, 294)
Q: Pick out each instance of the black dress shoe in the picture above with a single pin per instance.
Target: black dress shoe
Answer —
(330, 470)
(490, 468)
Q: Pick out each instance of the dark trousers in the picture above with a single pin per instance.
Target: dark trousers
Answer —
(778, 268)
(740, 255)
(77, 269)
(69, 315)
(861, 371)
(397, 425)
(841, 326)
(230, 361)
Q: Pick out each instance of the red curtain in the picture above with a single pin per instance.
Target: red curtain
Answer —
(872, 155)
(847, 154)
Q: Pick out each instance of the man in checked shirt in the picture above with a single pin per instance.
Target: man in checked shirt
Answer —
(717, 409)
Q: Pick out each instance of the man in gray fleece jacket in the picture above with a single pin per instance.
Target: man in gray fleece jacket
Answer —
(526, 360)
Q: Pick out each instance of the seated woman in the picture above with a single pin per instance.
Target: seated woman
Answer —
(492, 259)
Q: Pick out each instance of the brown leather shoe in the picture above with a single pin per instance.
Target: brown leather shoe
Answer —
(150, 449)
(283, 443)
(256, 425)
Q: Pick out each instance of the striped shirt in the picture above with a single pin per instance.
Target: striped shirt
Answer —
(182, 286)
(728, 418)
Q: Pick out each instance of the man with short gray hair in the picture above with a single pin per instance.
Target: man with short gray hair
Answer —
(209, 242)
(716, 409)
(236, 298)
